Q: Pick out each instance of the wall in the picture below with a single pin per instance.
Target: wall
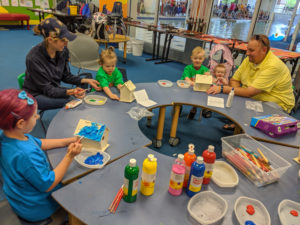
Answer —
(34, 19)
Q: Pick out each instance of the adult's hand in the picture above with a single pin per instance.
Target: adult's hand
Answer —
(94, 83)
(79, 92)
(214, 90)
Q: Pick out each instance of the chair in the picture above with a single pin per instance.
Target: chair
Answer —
(84, 53)
(21, 79)
(124, 74)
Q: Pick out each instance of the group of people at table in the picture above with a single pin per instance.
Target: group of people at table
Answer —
(28, 177)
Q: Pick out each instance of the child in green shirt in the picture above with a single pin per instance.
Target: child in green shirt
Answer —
(108, 75)
(189, 74)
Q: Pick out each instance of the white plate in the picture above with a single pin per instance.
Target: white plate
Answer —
(207, 207)
(261, 215)
(165, 83)
(183, 84)
(85, 154)
(95, 99)
(224, 175)
(284, 209)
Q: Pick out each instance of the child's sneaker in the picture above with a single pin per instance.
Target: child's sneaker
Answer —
(206, 113)
(192, 113)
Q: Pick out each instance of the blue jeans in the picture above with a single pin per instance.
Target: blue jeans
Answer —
(45, 102)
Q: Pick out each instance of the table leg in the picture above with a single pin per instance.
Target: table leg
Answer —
(149, 119)
(106, 46)
(237, 130)
(173, 141)
(295, 62)
(154, 55)
(167, 48)
(73, 220)
(160, 127)
(125, 52)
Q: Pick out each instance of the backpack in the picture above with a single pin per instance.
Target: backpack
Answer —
(227, 59)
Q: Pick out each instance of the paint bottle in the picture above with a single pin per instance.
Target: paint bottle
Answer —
(209, 157)
(177, 176)
(131, 175)
(230, 98)
(148, 175)
(196, 177)
(189, 158)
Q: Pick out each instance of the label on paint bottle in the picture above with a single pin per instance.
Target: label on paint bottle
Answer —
(134, 187)
(195, 183)
(176, 180)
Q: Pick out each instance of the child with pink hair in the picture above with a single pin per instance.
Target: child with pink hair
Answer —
(28, 178)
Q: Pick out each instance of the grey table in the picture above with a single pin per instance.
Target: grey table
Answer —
(124, 137)
(95, 192)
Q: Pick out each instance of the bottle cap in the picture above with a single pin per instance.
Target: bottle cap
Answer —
(180, 157)
(132, 162)
(191, 146)
(150, 156)
(199, 159)
(191, 151)
(211, 148)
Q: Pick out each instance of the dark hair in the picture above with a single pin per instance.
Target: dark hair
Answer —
(13, 108)
(263, 39)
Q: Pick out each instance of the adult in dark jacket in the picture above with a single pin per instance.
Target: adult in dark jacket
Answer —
(47, 66)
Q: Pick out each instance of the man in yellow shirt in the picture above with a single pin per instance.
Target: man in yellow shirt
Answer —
(261, 76)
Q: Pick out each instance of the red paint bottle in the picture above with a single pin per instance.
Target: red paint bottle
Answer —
(209, 157)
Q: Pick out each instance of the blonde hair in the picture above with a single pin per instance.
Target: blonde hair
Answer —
(108, 53)
(220, 66)
(198, 50)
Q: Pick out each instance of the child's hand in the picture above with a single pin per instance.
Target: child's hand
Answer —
(192, 83)
(119, 86)
(114, 97)
(74, 149)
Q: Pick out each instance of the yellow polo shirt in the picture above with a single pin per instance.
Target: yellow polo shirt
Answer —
(272, 77)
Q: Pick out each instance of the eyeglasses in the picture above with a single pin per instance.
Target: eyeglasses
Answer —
(259, 37)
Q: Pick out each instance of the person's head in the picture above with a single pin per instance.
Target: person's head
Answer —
(198, 56)
(220, 70)
(108, 60)
(55, 33)
(18, 110)
(258, 47)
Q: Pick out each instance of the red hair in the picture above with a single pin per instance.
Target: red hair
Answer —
(12, 108)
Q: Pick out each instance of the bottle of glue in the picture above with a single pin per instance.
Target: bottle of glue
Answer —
(73, 103)
(230, 98)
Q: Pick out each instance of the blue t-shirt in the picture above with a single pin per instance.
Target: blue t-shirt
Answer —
(27, 175)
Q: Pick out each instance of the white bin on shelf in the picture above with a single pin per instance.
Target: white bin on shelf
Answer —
(121, 46)
(137, 47)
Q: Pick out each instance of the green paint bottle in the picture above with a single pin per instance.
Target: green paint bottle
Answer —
(131, 175)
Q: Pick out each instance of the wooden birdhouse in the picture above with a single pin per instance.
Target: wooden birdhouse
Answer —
(126, 92)
(95, 135)
(203, 82)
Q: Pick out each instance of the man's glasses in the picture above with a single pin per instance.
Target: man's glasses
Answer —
(258, 37)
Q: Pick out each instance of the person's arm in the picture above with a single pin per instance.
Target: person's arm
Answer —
(189, 81)
(110, 94)
(73, 150)
(94, 83)
(57, 143)
(119, 86)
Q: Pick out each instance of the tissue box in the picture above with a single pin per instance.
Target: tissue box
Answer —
(275, 125)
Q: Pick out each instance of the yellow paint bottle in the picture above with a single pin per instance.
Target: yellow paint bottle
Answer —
(148, 175)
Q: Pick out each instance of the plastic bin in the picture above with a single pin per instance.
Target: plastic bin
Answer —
(137, 47)
(121, 46)
(129, 47)
(248, 167)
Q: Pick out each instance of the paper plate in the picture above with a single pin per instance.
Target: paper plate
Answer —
(285, 210)
(224, 175)
(85, 154)
(165, 83)
(95, 99)
(261, 215)
(183, 84)
(207, 207)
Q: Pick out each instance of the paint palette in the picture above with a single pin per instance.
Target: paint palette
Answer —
(183, 84)
(207, 207)
(95, 100)
(289, 212)
(224, 175)
(251, 211)
(92, 160)
(165, 83)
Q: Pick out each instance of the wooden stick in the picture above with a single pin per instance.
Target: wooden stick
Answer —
(263, 156)
(120, 191)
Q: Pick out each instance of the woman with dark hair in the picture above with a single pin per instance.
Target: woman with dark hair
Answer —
(47, 65)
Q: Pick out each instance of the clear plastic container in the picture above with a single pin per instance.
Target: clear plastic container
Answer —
(255, 173)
